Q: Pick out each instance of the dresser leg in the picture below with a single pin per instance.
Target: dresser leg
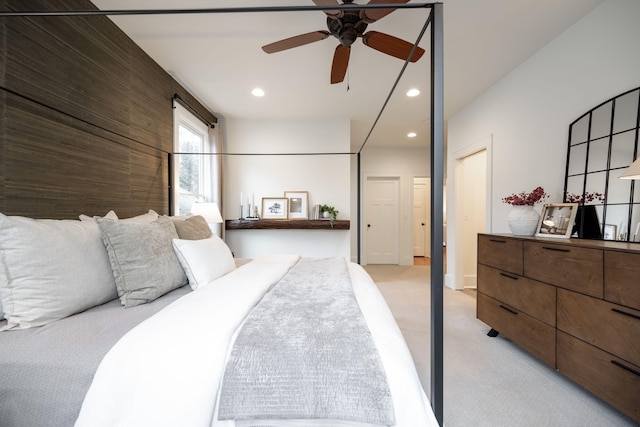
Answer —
(493, 333)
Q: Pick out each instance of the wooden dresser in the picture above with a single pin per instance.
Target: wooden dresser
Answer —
(572, 303)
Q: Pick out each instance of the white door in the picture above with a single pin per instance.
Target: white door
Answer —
(382, 220)
(421, 217)
(474, 209)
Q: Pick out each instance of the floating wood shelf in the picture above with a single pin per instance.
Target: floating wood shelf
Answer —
(286, 224)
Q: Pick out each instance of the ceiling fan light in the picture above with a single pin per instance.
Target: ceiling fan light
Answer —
(257, 92)
(413, 92)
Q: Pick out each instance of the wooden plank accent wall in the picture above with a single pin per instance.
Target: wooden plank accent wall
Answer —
(86, 117)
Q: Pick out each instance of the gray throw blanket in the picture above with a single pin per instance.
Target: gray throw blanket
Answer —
(305, 352)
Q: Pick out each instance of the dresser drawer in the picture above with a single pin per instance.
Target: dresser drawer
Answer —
(613, 380)
(500, 252)
(574, 268)
(529, 296)
(536, 337)
(622, 278)
(611, 327)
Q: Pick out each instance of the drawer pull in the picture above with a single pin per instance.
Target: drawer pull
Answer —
(556, 249)
(497, 241)
(508, 309)
(635, 316)
(508, 276)
(626, 368)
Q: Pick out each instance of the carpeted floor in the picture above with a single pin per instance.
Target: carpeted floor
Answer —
(487, 381)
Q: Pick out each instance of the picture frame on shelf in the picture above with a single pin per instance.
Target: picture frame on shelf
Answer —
(298, 204)
(556, 220)
(274, 207)
(610, 232)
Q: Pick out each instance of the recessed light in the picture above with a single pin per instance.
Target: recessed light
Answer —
(257, 92)
(412, 134)
(413, 92)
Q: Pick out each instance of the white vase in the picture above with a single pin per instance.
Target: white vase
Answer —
(523, 220)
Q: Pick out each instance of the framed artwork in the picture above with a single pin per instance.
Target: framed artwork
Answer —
(556, 220)
(298, 202)
(274, 207)
(610, 232)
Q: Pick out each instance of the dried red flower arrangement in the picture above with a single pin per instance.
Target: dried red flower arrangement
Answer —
(526, 199)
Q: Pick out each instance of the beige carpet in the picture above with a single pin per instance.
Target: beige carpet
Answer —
(487, 381)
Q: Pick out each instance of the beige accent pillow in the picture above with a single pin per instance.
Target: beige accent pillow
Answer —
(51, 269)
(144, 264)
(192, 228)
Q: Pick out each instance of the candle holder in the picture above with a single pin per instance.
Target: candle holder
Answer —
(241, 211)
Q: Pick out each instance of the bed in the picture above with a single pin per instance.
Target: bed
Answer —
(150, 321)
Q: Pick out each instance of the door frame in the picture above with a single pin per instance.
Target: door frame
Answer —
(455, 258)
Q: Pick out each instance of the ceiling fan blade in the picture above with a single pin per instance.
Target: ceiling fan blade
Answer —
(295, 41)
(391, 45)
(333, 13)
(340, 63)
(372, 15)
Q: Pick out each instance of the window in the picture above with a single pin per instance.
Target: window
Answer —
(192, 170)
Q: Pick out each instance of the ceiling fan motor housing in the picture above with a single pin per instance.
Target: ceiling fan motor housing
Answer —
(347, 28)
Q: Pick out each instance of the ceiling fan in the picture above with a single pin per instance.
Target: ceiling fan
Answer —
(347, 25)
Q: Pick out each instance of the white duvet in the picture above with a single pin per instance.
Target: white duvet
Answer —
(167, 370)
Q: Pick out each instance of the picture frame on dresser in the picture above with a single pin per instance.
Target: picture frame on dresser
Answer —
(556, 220)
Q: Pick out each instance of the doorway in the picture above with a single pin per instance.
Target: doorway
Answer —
(471, 193)
(382, 224)
(421, 220)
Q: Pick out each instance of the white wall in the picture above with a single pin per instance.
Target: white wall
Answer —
(325, 177)
(529, 111)
(405, 163)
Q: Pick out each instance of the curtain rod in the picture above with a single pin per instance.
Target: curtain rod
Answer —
(259, 9)
(177, 97)
(266, 154)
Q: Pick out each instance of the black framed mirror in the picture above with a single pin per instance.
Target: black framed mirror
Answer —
(603, 142)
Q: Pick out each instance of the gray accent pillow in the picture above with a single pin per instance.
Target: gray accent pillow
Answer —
(192, 228)
(142, 259)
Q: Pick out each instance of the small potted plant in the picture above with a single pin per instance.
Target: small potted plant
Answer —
(330, 212)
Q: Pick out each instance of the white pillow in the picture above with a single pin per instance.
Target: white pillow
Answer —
(204, 260)
(111, 215)
(144, 218)
(51, 269)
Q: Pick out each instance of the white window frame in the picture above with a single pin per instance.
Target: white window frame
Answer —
(183, 117)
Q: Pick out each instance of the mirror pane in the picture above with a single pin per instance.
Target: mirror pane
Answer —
(575, 184)
(617, 221)
(601, 121)
(580, 130)
(596, 182)
(578, 159)
(598, 154)
(626, 112)
(622, 149)
(619, 189)
(635, 224)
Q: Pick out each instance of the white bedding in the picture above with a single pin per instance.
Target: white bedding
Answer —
(167, 371)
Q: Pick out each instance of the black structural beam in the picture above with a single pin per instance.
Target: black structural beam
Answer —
(437, 220)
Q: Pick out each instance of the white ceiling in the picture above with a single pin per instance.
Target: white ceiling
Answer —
(218, 57)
